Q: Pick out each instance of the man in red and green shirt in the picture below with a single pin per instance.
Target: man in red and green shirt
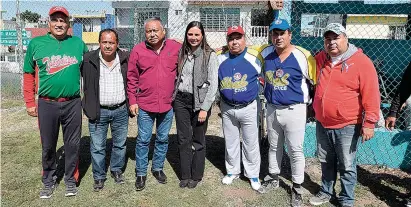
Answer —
(52, 69)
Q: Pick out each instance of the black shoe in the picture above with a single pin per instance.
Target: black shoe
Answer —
(118, 177)
(160, 176)
(140, 183)
(183, 183)
(98, 185)
(192, 183)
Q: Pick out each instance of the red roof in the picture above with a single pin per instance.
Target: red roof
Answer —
(35, 32)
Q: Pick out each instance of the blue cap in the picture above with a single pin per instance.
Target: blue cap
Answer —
(280, 24)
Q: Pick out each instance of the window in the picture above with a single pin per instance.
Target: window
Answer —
(11, 58)
(179, 12)
(219, 19)
(144, 15)
(260, 19)
(313, 25)
(88, 26)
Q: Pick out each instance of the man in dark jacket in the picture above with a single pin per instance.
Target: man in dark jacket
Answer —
(403, 93)
(105, 103)
(401, 96)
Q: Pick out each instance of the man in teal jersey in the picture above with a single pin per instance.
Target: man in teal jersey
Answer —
(52, 69)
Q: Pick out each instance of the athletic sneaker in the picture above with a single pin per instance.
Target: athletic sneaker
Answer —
(229, 178)
(269, 182)
(296, 197)
(71, 190)
(255, 183)
(319, 199)
(47, 191)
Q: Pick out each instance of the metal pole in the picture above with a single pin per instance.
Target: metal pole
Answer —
(19, 47)
(18, 30)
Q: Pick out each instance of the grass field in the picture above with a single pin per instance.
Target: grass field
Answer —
(21, 168)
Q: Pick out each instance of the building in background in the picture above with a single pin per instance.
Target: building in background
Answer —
(87, 27)
(373, 26)
(359, 26)
(216, 17)
(130, 17)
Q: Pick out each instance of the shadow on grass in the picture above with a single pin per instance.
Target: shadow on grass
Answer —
(84, 160)
(286, 173)
(85, 157)
(214, 153)
(376, 183)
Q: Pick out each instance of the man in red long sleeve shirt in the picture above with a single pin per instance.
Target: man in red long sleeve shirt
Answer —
(346, 104)
(151, 77)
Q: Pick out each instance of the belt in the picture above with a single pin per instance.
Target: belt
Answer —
(185, 95)
(112, 107)
(238, 106)
(290, 106)
(58, 99)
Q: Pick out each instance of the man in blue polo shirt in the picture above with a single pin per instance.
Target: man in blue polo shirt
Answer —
(238, 75)
(289, 73)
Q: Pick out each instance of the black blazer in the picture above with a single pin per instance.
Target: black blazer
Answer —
(402, 94)
(90, 71)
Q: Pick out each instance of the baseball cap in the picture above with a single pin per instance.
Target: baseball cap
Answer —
(234, 29)
(61, 9)
(337, 28)
(280, 24)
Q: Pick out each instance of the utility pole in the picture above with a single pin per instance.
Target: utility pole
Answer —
(19, 27)
(18, 30)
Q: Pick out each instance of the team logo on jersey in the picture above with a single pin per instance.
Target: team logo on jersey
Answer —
(279, 73)
(238, 85)
(57, 63)
(278, 79)
(237, 76)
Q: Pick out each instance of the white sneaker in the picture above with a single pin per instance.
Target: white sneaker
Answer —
(229, 178)
(255, 183)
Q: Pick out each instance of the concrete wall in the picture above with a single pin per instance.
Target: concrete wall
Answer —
(391, 149)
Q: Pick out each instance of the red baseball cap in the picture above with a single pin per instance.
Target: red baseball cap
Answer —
(235, 29)
(56, 9)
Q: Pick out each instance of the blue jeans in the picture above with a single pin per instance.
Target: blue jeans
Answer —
(337, 152)
(118, 121)
(145, 122)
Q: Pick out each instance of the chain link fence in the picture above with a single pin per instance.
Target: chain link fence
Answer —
(381, 29)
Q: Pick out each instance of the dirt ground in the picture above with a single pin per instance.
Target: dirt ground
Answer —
(377, 185)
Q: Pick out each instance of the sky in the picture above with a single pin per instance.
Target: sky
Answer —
(42, 7)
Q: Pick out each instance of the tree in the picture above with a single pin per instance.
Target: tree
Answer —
(29, 16)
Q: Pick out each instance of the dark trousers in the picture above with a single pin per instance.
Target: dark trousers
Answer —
(51, 115)
(191, 137)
